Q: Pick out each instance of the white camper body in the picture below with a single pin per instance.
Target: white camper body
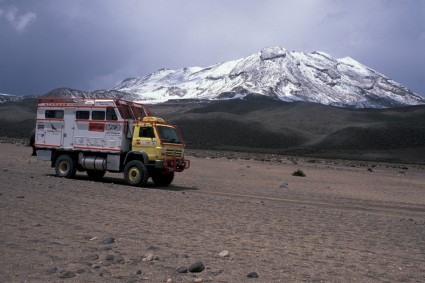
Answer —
(86, 124)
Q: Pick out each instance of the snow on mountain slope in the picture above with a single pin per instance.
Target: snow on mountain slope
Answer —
(280, 74)
(8, 97)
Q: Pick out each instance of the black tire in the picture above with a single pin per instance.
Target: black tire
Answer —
(95, 174)
(161, 179)
(65, 166)
(136, 173)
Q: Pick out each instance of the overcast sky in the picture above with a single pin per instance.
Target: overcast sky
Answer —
(95, 44)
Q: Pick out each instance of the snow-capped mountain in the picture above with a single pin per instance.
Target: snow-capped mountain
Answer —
(75, 93)
(8, 97)
(280, 74)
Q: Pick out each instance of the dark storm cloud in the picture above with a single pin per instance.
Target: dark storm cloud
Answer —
(95, 44)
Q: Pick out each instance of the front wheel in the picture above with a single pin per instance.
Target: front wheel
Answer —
(136, 173)
(65, 166)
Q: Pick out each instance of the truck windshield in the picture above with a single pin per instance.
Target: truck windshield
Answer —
(169, 135)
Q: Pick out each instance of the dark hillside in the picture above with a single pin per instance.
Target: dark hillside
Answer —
(266, 125)
(17, 118)
(300, 127)
(220, 131)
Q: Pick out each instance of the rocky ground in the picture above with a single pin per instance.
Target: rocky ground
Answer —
(229, 218)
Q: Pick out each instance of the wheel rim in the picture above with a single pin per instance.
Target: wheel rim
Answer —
(63, 167)
(134, 174)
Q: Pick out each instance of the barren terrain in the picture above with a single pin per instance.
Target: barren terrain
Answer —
(344, 221)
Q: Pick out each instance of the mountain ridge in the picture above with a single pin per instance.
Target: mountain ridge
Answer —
(279, 74)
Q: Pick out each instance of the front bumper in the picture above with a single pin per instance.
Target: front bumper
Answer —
(173, 164)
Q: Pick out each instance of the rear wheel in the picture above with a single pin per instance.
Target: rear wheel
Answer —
(136, 173)
(95, 174)
(65, 166)
(162, 179)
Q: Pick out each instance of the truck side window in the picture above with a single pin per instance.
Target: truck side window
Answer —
(110, 114)
(98, 115)
(82, 115)
(55, 114)
(146, 132)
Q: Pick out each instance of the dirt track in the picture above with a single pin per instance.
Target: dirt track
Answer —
(343, 222)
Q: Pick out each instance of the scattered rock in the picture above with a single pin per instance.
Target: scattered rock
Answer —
(80, 270)
(283, 185)
(52, 270)
(216, 272)
(182, 269)
(198, 280)
(38, 225)
(299, 173)
(91, 257)
(148, 257)
(169, 280)
(119, 259)
(108, 240)
(196, 267)
(139, 272)
(224, 254)
(67, 274)
(109, 257)
(252, 275)
(20, 197)
(153, 248)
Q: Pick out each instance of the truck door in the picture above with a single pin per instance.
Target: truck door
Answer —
(144, 140)
(68, 128)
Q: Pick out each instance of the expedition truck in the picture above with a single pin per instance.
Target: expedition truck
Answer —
(99, 135)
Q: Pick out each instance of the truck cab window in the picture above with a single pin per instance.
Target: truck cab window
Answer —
(98, 115)
(169, 135)
(82, 115)
(146, 132)
(54, 114)
(110, 114)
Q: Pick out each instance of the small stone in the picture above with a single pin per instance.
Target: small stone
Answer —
(153, 248)
(52, 270)
(38, 225)
(139, 272)
(283, 185)
(95, 266)
(108, 240)
(109, 257)
(224, 254)
(149, 257)
(118, 259)
(67, 274)
(169, 280)
(80, 270)
(196, 267)
(216, 272)
(182, 269)
(198, 280)
(252, 275)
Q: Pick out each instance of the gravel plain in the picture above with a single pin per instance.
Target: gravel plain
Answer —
(230, 218)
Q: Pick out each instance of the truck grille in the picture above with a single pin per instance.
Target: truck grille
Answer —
(174, 153)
